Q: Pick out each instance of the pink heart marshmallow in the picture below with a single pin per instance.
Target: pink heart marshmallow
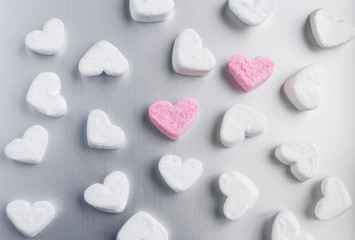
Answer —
(174, 120)
(250, 74)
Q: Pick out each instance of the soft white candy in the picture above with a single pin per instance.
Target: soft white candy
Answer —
(142, 226)
(241, 194)
(328, 32)
(101, 133)
(287, 227)
(190, 57)
(252, 12)
(30, 148)
(302, 88)
(111, 196)
(49, 40)
(180, 175)
(30, 219)
(336, 199)
(150, 10)
(301, 156)
(44, 95)
(103, 57)
(239, 122)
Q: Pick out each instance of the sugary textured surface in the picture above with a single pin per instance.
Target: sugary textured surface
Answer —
(180, 175)
(103, 57)
(30, 148)
(44, 95)
(250, 74)
(241, 194)
(287, 227)
(336, 199)
(101, 133)
(301, 156)
(252, 12)
(239, 122)
(174, 120)
(190, 57)
(49, 40)
(30, 219)
(302, 88)
(142, 226)
(150, 10)
(328, 32)
(111, 196)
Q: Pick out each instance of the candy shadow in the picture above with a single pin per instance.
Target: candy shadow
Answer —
(25, 52)
(82, 204)
(230, 80)
(27, 108)
(267, 227)
(315, 196)
(127, 10)
(83, 133)
(232, 20)
(170, 60)
(119, 226)
(220, 199)
(4, 158)
(114, 235)
(216, 140)
(307, 32)
(75, 72)
(102, 77)
(287, 169)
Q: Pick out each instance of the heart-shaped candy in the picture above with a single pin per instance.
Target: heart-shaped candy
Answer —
(241, 194)
(103, 57)
(301, 156)
(174, 120)
(302, 88)
(30, 148)
(49, 40)
(101, 133)
(190, 57)
(142, 226)
(287, 227)
(239, 122)
(111, 196)
(250, 74)
(44, 95)
(329, 32)
(336, 199)
(180, 175)
(150, 10)
(30, 219)
(252, 12)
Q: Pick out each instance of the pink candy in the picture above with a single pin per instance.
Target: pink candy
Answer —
(174, 120)
(250, 74)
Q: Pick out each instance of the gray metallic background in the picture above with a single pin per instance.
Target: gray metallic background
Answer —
(70, 165)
